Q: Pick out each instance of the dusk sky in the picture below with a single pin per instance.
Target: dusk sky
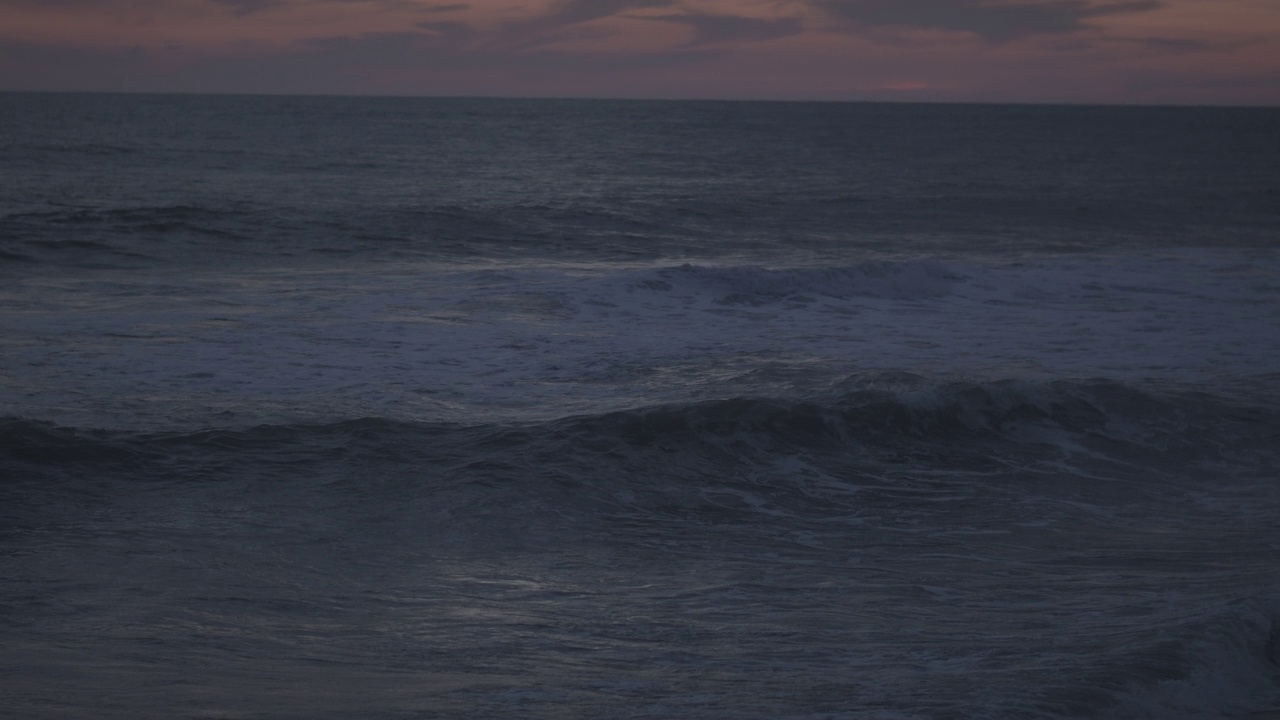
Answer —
(1092, 51)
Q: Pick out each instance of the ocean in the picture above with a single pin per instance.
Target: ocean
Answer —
(324, 407)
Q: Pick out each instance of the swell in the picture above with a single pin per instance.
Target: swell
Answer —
(1012, 499)
(125, 237)
(1225, 663)
(912, 280)
(888, 418)
(896, 457)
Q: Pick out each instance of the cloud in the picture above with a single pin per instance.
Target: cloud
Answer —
(572, 12)
(453, 36)
(1209, 86)
(451, 46)
(246, 7)
(1183, 45)
(995, 21)
(405, 49)
(56, 4)
(549, 26)
(45, 4)
(708, 29)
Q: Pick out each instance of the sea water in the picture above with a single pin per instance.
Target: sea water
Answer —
(467, 408)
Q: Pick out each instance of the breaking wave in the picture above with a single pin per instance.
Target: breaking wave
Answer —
(918, 279)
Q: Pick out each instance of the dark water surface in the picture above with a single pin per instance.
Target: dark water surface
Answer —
(427, 408)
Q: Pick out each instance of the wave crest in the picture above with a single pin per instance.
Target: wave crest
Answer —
(918, 279)
(872, 412)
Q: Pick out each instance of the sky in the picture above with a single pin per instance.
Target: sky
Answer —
(1040, 51)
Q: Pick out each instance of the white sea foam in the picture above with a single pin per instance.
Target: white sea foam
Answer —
(753, 285)
(1230, 669)
(818, 427)
(439, 342)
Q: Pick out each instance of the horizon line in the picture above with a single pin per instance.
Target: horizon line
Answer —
(655, 99)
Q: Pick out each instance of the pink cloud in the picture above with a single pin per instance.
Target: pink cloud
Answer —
(991, 50)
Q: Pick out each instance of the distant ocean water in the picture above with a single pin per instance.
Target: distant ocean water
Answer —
(445, 408)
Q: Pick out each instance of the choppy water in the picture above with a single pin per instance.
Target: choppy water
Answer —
(392, 408)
